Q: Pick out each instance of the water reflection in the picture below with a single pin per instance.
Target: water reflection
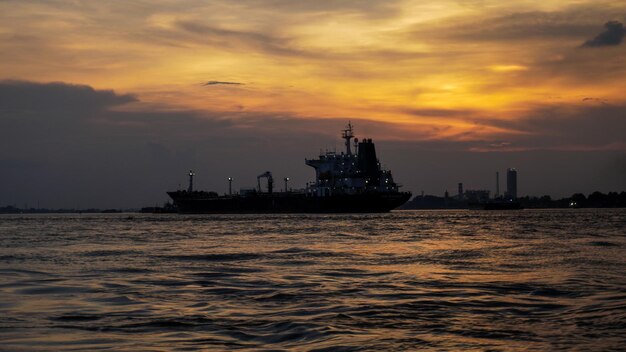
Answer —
(442, 280)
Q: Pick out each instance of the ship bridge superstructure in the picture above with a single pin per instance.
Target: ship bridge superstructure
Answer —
(350, 173)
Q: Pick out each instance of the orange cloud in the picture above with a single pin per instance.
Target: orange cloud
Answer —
(374, 61)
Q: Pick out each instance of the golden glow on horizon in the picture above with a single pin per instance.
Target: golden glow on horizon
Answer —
(388, 61)
(508, 68)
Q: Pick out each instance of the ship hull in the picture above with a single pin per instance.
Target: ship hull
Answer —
(288, 203)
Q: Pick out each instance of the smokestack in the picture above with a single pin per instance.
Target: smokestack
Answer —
(511, 184)
(497, 184)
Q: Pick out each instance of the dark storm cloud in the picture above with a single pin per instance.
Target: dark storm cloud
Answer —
(28, 96)
(213, 83)
(613, 35)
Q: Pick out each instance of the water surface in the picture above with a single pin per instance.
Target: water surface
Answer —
(440, 280)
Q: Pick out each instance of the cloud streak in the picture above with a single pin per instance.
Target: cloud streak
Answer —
(213, 83)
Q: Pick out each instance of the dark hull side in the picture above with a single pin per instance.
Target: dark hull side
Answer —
(288, 203)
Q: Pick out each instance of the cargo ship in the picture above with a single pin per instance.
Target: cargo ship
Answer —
(346, 182)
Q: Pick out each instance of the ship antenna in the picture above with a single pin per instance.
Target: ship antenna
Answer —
(348, 134)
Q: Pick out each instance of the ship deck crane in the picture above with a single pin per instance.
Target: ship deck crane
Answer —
(270, 181)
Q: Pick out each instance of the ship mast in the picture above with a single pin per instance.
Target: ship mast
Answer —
(347, 134)
(191, 174)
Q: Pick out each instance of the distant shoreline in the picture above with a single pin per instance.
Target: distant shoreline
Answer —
(578, 200)
(420, 202)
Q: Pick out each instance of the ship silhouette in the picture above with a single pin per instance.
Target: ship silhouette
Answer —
(346, 182)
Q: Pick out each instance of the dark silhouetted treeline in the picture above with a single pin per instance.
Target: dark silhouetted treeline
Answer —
(578, 200)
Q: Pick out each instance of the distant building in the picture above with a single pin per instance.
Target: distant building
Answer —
(511, 183)
(460, 196)
(477, 196)
(497, 195)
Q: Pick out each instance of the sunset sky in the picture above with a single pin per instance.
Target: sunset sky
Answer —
(107, 103)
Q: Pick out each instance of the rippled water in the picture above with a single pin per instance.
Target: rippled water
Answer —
(441, 280)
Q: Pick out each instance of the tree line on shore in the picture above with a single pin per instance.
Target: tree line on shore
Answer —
(577, 200)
